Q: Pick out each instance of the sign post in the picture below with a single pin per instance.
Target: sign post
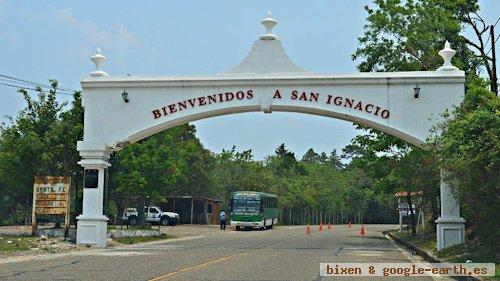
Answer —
(404, 208)
(51, 196)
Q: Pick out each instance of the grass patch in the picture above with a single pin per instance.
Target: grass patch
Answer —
(470, 250)
(425, 242)
(133, 240)
(17, 243)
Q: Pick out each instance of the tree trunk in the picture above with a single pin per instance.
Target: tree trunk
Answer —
(412, 215)
(141, 203)
(26, 216)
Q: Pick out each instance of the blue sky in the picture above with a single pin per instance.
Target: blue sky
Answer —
(55, 39)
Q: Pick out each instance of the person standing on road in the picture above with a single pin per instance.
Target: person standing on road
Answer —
(222, 218)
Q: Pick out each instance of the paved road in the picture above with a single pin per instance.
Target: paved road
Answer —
(284, 253)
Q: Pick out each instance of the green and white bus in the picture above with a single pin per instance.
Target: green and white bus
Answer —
(251, 209)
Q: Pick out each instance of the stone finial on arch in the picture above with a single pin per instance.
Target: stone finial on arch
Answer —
(447, 54)
(269, 23)
(98, 59)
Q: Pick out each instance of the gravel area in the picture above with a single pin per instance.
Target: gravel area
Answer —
(184, 230)
(15, 230)
(16, 246)
(48, 245)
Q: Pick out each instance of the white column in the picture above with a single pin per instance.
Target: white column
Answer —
(92, 224)
(450, 226)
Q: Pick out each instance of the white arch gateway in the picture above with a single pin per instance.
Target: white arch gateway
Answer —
(126, 109)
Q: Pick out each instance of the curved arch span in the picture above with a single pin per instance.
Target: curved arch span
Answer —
(292, 109)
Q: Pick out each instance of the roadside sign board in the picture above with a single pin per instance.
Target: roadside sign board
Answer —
(403, 206)
(51, 196)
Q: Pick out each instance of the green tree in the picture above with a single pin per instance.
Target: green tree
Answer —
(335, 160)
(468, 147)
(112, 211)
(311, 156)
(41, 140)
(149, 168)
(416, 171)
(283, 162)
(407, 36)
(236, 171)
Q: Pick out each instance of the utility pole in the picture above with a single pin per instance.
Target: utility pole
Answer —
(494, 80)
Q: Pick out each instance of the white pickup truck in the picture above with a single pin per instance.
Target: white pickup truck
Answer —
(153, 215)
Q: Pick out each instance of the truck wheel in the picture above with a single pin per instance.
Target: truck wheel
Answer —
(237, 228)
(132, 220)
(164, 221)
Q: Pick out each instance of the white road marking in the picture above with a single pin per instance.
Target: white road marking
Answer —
(112, 253)
(155, 247)
(366, 253)
(138, 245)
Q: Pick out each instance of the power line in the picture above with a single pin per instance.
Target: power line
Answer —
(27, 82)
(487, 41)
(489, 36)
(24, 81)
(21, 84)
(491, 47)
(28, 88)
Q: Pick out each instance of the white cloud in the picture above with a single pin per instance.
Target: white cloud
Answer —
(115, 33)
(119, 44)
(72, 39)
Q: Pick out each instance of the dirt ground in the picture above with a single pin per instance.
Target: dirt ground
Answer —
(21, 244)
(15, 230)
(22, 229)
(181, 229)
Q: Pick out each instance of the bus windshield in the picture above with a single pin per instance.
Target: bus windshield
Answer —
(246, 205)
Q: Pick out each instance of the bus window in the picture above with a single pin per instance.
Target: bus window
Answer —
(246, 205)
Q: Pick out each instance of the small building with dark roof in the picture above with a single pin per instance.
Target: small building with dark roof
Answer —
(193, 210)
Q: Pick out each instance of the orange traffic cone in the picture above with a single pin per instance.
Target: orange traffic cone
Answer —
(350, 225)
(362, 232)
(329, 226)
(320, 227)
(308, 229)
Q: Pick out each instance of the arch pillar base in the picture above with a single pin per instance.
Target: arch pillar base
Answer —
(91, 230)
(450, 231)
(450, 228)
(92, 223)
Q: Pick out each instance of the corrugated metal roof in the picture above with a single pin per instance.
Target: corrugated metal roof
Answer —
(405, 193)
